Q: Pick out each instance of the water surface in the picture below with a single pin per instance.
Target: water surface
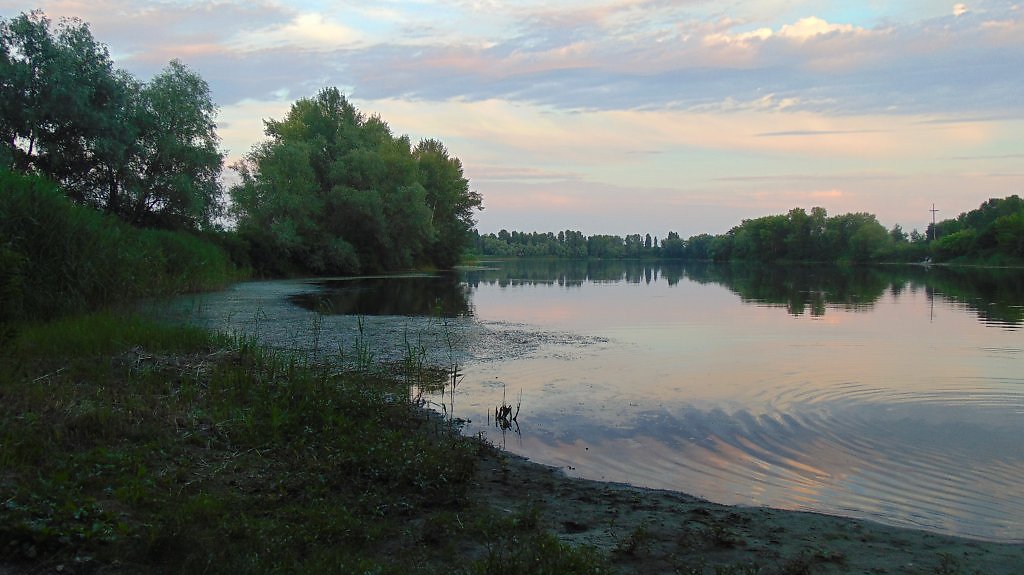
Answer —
(892, 394)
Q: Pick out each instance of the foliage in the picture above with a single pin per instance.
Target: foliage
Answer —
(334, 192)
(171, 174)
(994, 233)
(130, 446)
(60, 258)
(59, 95)
(144, 151)
(566, 244)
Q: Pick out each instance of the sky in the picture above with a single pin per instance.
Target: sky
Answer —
(629, 116)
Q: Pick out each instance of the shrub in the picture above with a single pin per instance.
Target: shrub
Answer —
(59, 258)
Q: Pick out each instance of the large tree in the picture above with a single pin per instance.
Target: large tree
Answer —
(171, 176)
(59, 99)
(144, 151)
(449, 198)
(334, 191)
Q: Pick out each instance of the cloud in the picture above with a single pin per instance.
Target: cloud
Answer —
(816, 178)
(812, 26)
(613, 55)
(517, 174)
(308, 30)
(787, 133)
(671, 104)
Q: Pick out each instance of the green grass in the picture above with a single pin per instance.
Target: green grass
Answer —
(59, 258)
(131, 446)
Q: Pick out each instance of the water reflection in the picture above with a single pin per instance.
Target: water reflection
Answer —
(440, 295)
(897, 402)
(996, 295)
(871, 392)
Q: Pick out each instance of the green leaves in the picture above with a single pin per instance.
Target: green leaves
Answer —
(144, 151)
(335, 192)
(176, 162)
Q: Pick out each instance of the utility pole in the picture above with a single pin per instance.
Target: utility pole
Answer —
(935, 231)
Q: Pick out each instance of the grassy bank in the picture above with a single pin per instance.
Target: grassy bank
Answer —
(128, 446)
(59, 258)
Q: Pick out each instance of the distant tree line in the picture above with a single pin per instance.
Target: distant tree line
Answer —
(800, 288)
(993, 233)
(330, 191)
(566, 244)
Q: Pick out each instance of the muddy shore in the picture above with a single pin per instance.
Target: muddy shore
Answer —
(656, 531)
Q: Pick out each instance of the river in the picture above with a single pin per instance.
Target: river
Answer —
(894, 394)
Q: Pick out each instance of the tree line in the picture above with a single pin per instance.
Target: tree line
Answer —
(993, 233)
(330, 191)
(333, 191)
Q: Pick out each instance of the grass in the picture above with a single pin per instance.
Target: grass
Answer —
(131, 446)
(59, 258)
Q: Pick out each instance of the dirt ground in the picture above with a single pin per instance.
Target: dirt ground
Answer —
(655, 531)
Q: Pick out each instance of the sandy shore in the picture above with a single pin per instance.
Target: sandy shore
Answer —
(655, 531)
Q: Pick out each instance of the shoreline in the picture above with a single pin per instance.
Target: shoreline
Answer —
(659, 531)
(266, 464)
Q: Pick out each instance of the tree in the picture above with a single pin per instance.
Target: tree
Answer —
(146, 152)
(449, 198)
(59, 99)
(634, 243)
(699, 247)
(673, 246)
(1009, 231)
(332, 191)
(172, 177)
(956, 244)
(856, 237)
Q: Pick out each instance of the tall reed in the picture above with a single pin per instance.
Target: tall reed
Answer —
(58, 258)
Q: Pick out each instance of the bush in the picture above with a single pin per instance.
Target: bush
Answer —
(60, 258)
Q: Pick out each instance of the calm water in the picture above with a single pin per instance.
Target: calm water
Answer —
(893, 394)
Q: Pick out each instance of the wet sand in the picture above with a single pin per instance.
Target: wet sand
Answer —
(656, 531)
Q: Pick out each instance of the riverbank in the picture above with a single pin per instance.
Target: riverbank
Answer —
(657, 531)
(128, 446)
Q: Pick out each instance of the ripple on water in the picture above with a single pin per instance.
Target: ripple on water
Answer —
(942, 454)
(849, 459)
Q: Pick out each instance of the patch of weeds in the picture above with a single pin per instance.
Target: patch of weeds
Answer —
(206, 455)
(539, 553)
(442, 530)
(638, 542)
(822, 555)
(738, 569)
(690, 567)
(721, 535)
(950, 565)
(518, 544)
(806, 562)
(802, 564)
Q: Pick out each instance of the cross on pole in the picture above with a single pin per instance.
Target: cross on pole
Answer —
(935, 232)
